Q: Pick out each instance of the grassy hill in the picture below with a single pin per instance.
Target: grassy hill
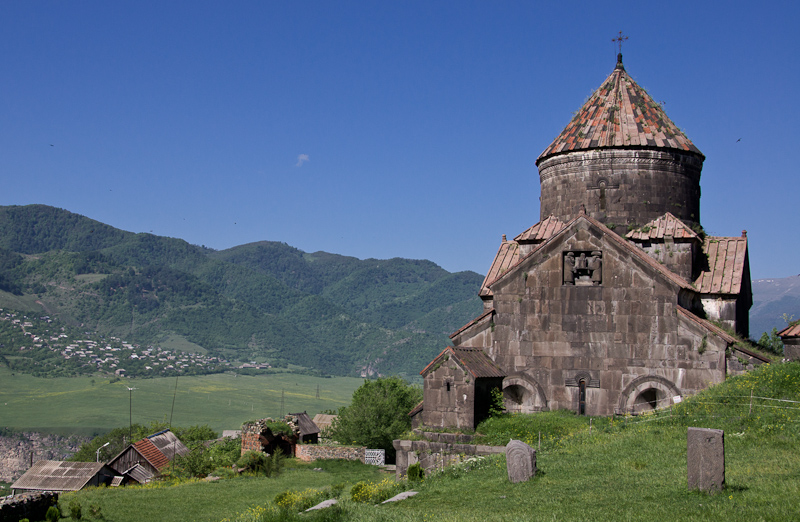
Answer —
(611, 469)
(264, 301)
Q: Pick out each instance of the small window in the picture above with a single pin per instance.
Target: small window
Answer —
(448, 385)
(582, 397)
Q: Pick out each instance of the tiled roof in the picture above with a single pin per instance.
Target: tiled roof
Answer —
(151, 453)
(790, 331)
(542, 230)
(474, 360)
(666, 225)
(54, 475)
(477, 362)
(507, 256)
(727, 257)
(619, 114)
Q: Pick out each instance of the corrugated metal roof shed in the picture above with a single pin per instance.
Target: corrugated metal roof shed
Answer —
(168, 444)
(54, 475)
(306, 425)
(139, 473)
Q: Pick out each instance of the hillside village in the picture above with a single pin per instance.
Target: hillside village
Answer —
(45, 344)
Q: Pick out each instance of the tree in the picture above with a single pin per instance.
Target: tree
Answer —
(378, 414)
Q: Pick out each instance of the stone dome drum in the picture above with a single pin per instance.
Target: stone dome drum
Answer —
(623, 159)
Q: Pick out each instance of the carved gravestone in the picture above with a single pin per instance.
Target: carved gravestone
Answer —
(705, 456)
(520, 461)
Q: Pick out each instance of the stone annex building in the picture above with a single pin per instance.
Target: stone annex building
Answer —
(611, 302)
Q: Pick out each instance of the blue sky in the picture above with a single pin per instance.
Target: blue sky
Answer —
(381, 129)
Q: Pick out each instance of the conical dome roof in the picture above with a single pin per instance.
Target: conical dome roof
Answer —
(620, 114)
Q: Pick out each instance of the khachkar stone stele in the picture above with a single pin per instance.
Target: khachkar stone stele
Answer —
(520, 461)
(705, 459)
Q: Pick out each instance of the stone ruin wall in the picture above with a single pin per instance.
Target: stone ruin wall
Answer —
(16, 450)
(310, 452)
(436, 455)
(32, 506)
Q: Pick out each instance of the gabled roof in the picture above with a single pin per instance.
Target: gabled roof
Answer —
(474, 360)
(306, 425)
(727, 259)
(612, 237)
(168, 444)
(139, 473)
(323, 420)
(620, 114)
(416, 409)
(507, 256)
(151, 453)
(542, 230)
(666, 225)
(790, 331)
(54, 475)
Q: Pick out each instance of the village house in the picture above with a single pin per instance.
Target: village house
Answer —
(615, 301)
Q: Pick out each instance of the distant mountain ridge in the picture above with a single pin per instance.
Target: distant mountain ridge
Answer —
(260, 301)
(771, 299)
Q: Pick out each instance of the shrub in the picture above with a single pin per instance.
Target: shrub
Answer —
(255, 462)
(374, 492)
(415, 473)
(75, 509)
(53, 514)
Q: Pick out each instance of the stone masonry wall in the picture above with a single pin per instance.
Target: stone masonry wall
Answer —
(621, 186)
(310, 452)
(250, 442)
(32, 506)
(436, 455)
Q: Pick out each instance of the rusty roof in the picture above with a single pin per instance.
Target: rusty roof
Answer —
(151, 453)
(790, 331)
(542, 230)
(507, 256)
(666, 225)
(619, 114)
(473, 360)
(416, 409)
(727, 262)
(54, 475)
(168, 444)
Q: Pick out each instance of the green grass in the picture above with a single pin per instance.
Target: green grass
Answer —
(74, 405)
(621, 469)
(212, 501)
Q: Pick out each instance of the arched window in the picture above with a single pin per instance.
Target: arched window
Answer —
(582, 397)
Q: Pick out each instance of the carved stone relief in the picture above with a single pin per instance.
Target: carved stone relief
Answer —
(583, 268)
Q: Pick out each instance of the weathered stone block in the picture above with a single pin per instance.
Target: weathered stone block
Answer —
(705, 456)
(520, 461)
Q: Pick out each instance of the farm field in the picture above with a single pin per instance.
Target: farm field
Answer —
(92, 405)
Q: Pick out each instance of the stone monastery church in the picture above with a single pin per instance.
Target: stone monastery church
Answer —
(613, 301)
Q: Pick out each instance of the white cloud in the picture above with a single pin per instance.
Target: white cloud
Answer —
(302, 158)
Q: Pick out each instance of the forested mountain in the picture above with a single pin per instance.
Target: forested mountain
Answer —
(264, 301)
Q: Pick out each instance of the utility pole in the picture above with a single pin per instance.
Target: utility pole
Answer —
(130, 413)
(282, 392)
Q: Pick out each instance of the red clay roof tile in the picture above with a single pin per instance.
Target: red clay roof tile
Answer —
(619, 114)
